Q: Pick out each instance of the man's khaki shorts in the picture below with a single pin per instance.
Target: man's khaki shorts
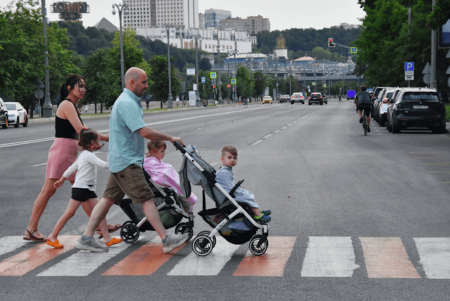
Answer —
(130, 181)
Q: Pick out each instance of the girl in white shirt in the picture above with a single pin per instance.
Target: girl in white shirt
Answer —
(83, 190)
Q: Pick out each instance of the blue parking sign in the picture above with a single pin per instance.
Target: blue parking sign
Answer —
(203, 80)
(409, 66)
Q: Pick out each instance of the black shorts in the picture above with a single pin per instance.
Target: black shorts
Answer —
(83, 194)
(365, 108)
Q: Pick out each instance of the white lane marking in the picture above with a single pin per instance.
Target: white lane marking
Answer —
(148, 124)
(267, 136)
(255, 143)
(329, 257)
(39, 164)
(283, 127)
(198, 129)
(277, 131)
(307, 116)
(289, 124)
(11, 243)
(435, 256)
(211, 265)
(84, 263)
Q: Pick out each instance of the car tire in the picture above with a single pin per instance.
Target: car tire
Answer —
(17, 123)
(321, 103)
(5, 126)
(309, 103)
(395, 128)
(303, 102)
(382, 121)
(25, 123)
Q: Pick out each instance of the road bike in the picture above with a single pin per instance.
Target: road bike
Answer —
(364, 121)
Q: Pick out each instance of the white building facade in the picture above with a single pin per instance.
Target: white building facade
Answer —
(228, 40)
(214, 16)
(155, 13)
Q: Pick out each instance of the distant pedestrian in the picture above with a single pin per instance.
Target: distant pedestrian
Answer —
(83, 190)
(178, 100)
(340, 98)
(147, 101)
(86, 108)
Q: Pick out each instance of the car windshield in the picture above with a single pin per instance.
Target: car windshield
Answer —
(378, 92)
(420, 96)
(10, 106)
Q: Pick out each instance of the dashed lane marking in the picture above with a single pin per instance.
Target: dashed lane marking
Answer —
(256, 143)
(267, 136)
(277, 131)
(284, 127)
(36, 165)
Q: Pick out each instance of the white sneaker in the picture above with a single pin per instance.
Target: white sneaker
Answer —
(171, 241)
(91, 244)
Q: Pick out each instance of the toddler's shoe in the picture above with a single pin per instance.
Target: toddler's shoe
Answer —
(266, 212)
(114, 241)
(262, 219)
(55, 244)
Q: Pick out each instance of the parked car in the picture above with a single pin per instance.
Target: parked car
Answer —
(3, 114)
(384, 104)
(417, 107)
(16, 114)
(316, 97)
(377, 101)
(376, 91)
(298, 97)
(285, 98)
(267, 99)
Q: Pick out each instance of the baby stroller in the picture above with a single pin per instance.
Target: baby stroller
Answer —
(231, 219)
(167, 202)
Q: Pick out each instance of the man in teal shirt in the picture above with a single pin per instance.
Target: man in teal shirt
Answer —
(126, 153)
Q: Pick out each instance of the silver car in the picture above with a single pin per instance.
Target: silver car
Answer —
(297, 97)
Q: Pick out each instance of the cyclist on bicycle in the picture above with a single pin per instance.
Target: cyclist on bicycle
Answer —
(362, 101)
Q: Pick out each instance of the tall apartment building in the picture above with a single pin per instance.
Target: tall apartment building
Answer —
(214, 16)
(155, 13)
(201, 21)
(252, 25)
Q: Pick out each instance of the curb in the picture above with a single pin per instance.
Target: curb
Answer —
(107, 115)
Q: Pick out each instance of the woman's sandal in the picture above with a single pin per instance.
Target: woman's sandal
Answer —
(31, 236)
(55, 244)
(116, 227)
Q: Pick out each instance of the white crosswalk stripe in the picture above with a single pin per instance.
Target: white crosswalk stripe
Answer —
(11, 243)
(435, 256)
(211, 265)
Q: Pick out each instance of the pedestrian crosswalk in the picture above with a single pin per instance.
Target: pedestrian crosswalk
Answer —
(320, 256)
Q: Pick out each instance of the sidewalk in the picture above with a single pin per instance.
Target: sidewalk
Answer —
(154, 108)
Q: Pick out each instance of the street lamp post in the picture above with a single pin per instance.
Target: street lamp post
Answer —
(121, 8)
(47, 108)
(167, 30)
(196, 37)
(218, 70)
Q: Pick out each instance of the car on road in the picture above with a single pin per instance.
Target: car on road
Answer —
(316, 97)
(298, 97)
(284, 98)
(267, 99)
(3, 114)
(17, 115)
(417, 108)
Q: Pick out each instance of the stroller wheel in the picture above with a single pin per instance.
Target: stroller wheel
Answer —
(129, 232)
(206, 233)
(202, 245)
(185, 228)
(253, 246)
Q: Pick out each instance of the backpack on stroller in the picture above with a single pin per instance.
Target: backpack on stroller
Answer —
(231, 219)
(170, 210)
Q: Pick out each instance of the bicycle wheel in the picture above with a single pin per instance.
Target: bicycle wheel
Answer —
(365, 125)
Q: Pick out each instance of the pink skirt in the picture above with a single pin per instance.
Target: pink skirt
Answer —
(62, 154)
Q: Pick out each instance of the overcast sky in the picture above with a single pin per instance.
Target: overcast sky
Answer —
(283, 14)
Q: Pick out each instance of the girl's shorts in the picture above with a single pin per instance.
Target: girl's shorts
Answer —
(83, 194)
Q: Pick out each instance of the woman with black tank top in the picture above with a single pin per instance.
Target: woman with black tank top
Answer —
(63, 153)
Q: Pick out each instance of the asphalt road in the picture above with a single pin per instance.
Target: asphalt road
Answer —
(354, 217)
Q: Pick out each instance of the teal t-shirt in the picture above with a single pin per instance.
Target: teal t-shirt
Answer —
(126, 145)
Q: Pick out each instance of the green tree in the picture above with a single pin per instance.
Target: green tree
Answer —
(260, 82)
(204, 64)
(160, 78)
(440, 14)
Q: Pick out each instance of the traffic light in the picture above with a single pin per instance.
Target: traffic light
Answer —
(330, 43)
(214, 86)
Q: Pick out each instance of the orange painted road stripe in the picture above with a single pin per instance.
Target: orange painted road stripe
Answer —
(144, 261)
(386, 257)
(272, 263)
(30, 259)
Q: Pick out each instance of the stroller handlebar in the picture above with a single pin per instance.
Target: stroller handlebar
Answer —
(179, 147)
(233, 190)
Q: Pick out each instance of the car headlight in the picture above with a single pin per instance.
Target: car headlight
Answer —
(12, 115)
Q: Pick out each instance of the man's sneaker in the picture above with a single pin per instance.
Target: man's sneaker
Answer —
(91, 244)
(360, 120)
(368, 129)
(171, 241)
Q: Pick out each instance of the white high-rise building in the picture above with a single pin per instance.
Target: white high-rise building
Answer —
(155, 13)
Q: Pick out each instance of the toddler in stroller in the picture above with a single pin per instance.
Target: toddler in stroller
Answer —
(230, 218)
(171, 204)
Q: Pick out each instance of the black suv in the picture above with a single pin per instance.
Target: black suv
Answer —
(316, 97)
(417, 107)
(3, 114)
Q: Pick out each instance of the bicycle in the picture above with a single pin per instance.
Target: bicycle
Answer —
(364, 120)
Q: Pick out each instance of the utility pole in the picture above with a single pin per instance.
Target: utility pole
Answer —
(47, 108)
(218, 69)
(433, 83)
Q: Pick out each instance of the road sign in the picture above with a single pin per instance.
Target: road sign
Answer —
(314, 83)
(213, 75)
(233, 81)
(38, 93)
(324, 85)
(277, 84)
(409, 66)
(353, 50)
(448, 55)
(448, 70)
(194, 87)
(409, 77)
(427, 69)
(426, 78)
(448, 82)
(203, 80)
(308, 86)
(190, 71)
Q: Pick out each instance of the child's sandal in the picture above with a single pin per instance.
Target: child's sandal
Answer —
(55, 244)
